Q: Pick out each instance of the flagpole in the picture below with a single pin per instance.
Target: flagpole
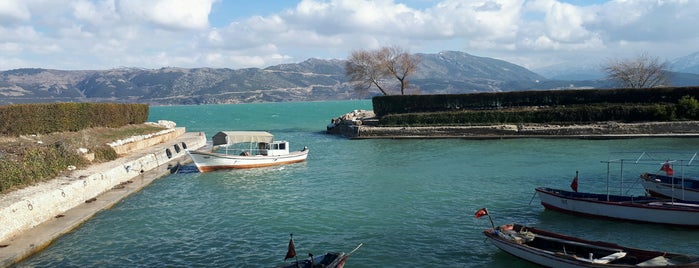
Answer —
(291, 250)
(295, 255)
(484, 211)
(491, 220)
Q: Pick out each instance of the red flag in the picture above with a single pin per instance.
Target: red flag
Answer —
(667, 168)
(481, 212)
(292, 250)
(574, 184)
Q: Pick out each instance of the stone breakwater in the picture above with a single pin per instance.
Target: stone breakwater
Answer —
(34, 216)
(360, 124)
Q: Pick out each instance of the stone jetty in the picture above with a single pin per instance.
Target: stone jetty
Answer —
(34, 216)
(362, 124)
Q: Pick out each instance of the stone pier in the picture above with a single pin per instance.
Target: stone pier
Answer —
(360, 124)
(32, 217)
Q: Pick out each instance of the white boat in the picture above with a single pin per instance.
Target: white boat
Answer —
(673, 182)
(682, 188)
(631, 208)
(245, 149)
(556, 250)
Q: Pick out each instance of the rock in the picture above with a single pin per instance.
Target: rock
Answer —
(163, 123)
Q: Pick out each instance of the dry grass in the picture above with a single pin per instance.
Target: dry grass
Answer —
(88, 138)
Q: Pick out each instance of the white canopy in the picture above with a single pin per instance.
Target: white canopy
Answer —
(231, 137)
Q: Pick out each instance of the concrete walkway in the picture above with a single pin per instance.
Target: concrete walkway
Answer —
(26, 243)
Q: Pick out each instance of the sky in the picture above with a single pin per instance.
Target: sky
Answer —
(151, 34)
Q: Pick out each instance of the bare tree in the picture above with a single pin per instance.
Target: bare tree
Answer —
(364, 70)
(370, 68)
(641, 72)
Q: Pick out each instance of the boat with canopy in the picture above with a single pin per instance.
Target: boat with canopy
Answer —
(245, 149)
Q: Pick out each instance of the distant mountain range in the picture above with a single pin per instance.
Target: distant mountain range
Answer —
(593, 69)
(686, 64)
(447, 72)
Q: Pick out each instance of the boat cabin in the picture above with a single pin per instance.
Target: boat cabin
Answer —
(274, 148)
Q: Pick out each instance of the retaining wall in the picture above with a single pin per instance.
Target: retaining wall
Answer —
(26, 208)
(123, 147)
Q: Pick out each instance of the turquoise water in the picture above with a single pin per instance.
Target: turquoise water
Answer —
(411, 202)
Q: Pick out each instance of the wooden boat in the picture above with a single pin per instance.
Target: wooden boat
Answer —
(327, 260)
(632, 208)
(245, 149)
(682, 188)
(556, 250)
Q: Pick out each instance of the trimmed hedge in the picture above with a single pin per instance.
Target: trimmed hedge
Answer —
(398, 104)
(555, 115)
(42, 118)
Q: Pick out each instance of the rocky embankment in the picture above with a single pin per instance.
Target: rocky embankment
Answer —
(362, 124)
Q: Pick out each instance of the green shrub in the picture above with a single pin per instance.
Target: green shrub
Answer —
(12, 174)
(36, 164)
(688, 107)
(104, 153)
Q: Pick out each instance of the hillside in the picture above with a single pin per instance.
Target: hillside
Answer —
(311, 80)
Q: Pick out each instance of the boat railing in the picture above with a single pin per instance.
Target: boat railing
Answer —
(677, 159)
(648, 161)
(239, 151)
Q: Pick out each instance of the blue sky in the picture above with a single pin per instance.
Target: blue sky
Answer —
(107, 34)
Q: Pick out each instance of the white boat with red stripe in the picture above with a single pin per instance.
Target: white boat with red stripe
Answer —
(245, 149)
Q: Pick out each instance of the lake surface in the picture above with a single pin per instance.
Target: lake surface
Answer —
(411, 202)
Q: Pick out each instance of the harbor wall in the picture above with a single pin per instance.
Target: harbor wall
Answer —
(26, 208)
(145, 141)
(606, 130)
(360, 124)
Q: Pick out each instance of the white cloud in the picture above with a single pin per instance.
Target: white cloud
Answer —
(13, 11)
(94, 13)
(170, 14)
(564, 22)
(22, 36)
(648, 20)
(10, 48)
(155, 33)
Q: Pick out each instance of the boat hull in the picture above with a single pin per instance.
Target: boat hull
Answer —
(206, 161)
(556, 250)
(683, 189)
(536, 256)
(327, 260)
(638, 209)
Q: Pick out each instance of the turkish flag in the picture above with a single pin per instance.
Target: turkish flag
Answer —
(481, 212)
(667, 168)
(292, 250)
